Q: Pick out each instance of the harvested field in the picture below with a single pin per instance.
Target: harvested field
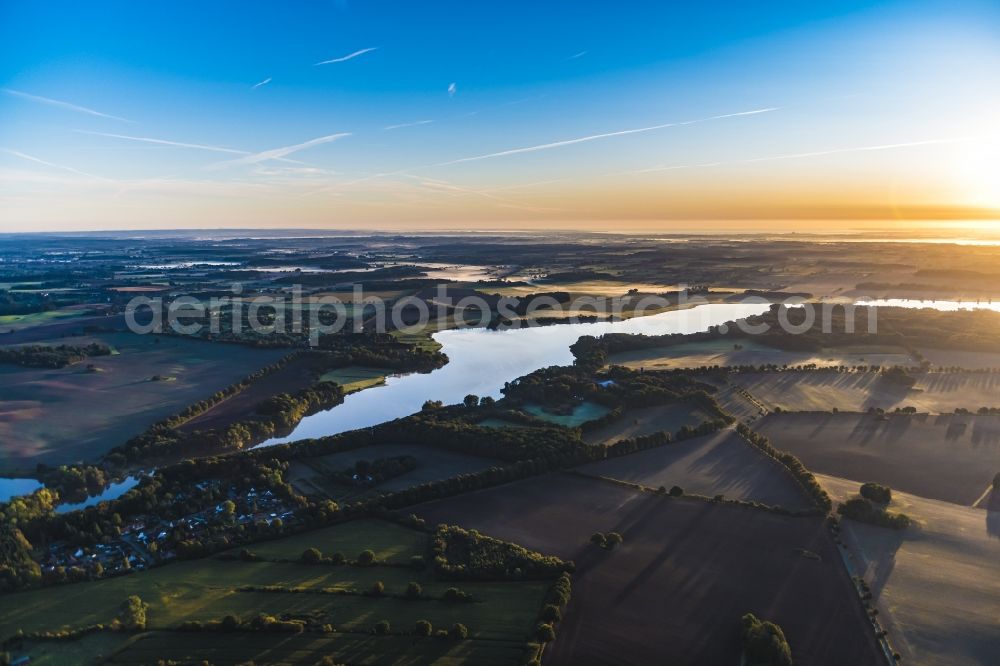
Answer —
(72, 414)
(739, 403)
(581, 288)
(947, 457)
(718, 464)
(934, 392)
(646, 421)
(295, 375)
(724, 352)
(949, 358)
(937, 584)
(687, 571)
(308, 474)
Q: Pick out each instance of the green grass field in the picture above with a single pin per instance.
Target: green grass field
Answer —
(351, 648)
(390, 542)
(422, 340)
(35, 318)
(355, 377)
(500, 618)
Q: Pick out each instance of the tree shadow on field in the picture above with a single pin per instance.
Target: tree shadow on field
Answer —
(880, 547)
(993, 515)
(677, 542)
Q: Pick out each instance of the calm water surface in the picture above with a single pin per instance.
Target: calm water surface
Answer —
(480, 361)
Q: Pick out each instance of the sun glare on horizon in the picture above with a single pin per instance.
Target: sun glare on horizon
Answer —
(472, 119)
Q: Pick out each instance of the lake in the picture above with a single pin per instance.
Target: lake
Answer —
(480, 361)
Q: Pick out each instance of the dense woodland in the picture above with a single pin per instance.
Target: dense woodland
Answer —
(51, 356)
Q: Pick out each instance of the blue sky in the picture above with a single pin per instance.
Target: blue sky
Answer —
(507, 115)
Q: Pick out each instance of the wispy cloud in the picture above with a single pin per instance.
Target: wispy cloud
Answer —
(457, 190)
(863, 149)
(596, 137)
(261, 83)
(64, 105)
(577, 55)
(284, 151)
(413, 124)
(349, 56)
(61, 167)
(452, 89)
(794, 156)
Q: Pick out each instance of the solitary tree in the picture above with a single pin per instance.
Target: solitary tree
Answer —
(413, 590)
(311, 556)
(764, 643)
(133, 615)
(422, 628)
(366, 558)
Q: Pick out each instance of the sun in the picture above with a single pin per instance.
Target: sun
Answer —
(977, 175)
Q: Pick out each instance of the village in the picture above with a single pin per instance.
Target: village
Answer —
(149, 540)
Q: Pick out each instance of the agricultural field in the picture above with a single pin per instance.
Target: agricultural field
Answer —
(151, 377)
(934, 392)
(309, 474)
(687, 570)
(952, 358)
(727, 353)
(94, 649)
(948, 457)
(738, 402)
(11, 323)
(279, 650)
(937, 584)
(718, 464)
(295, 375)
(390, 542)
(608, 288)
(646, 421)
(500, 618)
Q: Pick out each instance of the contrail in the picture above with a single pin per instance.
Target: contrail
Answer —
(39, 160)
(413, 124)
(262, 83)
(65, 105)
(595, 137)
(164, 142)
(278, 153)
(860, 149)
(347, 57)
(793, 156)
